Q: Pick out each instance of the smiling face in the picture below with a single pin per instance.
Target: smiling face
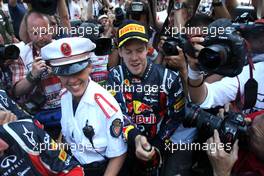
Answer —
(134, 53)
(77, 83)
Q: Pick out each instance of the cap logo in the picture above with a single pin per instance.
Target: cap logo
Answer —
(131, 28)
(66, 49)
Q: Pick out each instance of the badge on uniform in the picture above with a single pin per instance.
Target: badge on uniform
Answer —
(116, 128)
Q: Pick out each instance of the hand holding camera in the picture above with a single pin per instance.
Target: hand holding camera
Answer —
(39, 67)
(231, 128)
(192, 60)
(176, 61)
(222, 162)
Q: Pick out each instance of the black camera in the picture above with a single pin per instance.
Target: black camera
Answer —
(44, 6)
(170, 45)
(232, 127)
(136, 9)
(103, 46)
(137, 6)
(224, 53)
(119, 17)
(8, 52)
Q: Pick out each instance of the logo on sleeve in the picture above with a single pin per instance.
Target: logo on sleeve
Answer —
(8, 161)
(62, 155)
(116, 128)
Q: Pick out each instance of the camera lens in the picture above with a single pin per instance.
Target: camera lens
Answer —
(196, 117)
(10, 52)
(213, 56)
(170, 48)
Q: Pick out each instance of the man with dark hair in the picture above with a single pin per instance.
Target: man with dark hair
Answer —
(150, 96)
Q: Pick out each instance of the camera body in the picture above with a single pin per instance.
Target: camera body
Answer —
(232, 127)
(44, 6)
(137, 6)
(8, 52)
(119, 17)
(170, 45)
(136, 9)
(224, 53)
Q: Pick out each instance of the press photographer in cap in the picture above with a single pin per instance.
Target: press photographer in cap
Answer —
(91, 117)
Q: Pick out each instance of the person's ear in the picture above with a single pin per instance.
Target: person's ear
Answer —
(90, 67)
(120, 52)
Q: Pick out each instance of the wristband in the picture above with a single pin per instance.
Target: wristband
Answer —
(195, 86)
(31, 78)
(194, 75)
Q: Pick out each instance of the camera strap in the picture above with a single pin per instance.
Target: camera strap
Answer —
(251, 86)
(249, 99)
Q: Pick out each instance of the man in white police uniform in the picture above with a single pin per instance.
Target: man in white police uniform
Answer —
(91, 118)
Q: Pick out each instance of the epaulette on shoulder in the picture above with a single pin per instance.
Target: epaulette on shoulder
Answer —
(108, 108)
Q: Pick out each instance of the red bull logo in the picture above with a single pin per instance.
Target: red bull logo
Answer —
(140, 107)
(140, 119)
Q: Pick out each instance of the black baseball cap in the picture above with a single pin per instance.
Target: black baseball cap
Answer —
(131, 29)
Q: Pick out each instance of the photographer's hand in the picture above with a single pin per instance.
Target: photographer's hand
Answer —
(38, 67)
(144, 150)
(196, 86)
(177, 62)
(221, 161)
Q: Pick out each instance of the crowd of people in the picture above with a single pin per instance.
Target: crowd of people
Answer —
(104, 87)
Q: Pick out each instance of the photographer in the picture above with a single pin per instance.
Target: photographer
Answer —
(107, 25)
(49, 7)
(228, 89)
(245, 161)
(33, 84)
(179, 12)
(243, 88)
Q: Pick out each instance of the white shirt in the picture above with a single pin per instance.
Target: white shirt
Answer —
(75, 10)
(88, 109)
(51, 86)
(225, 90)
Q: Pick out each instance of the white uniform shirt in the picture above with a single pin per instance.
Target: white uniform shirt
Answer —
(88, 109)
(225, 90)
